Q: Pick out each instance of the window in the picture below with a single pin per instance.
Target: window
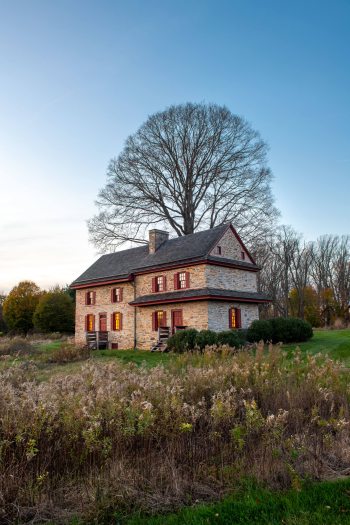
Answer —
(218, 250)
(90, 298)
(90, 323)
(158, 319)
(117, 321)
(242, 256)
(116, 295)
(234, 318)
(159, 283)
(181, 280)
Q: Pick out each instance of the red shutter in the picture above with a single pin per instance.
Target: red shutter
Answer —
(154, 289)
(93, 322)
(187, 279)
(121, 294)
(86, 297)
(94, 298)
(153, 321)
(86, 323)
(112, 321)
(238, 317)
(112, 295)
(230, 318)
(164, 318)
(164, 283)
(120, 321)
(176, 281)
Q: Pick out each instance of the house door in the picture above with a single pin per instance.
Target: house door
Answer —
(176, 319)
(103, 322)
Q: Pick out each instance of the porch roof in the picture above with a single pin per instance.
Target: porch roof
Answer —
(200, 294)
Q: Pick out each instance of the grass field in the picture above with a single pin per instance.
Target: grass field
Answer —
(335, 343)
(326, 503)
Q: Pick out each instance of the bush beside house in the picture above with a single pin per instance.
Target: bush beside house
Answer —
(280, 330)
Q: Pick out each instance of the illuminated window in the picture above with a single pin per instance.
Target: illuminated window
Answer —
(158, 319)
(234, 318)
(90, 323)
(117, 321)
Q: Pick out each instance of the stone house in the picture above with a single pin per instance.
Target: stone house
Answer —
(206, 280)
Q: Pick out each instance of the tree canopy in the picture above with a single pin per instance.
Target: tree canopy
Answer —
(54, 312)
(19, 306)
(190, 167)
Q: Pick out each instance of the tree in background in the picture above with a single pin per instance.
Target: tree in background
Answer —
(190, 167)
(19, 306)
(3, 326)
(54, 312)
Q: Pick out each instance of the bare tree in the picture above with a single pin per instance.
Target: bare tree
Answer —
(190, 167)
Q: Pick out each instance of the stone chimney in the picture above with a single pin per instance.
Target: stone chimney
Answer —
(156, 239)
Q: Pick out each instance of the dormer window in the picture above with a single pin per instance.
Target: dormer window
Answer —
(90, 298)
(218, 250)
(116, 295)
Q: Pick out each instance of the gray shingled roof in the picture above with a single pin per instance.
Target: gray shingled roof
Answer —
(120, 265)
(213, 293)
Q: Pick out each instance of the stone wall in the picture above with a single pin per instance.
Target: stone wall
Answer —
(218, 314)
(124, 337)
(230, 278)
(195, 315)
(197, 279)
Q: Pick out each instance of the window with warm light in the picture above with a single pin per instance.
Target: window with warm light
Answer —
(90, 322)
(158, 319)
(117, 321)
(234, 318)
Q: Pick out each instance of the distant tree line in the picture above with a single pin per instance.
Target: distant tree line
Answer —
(27, 308)
(310, 280)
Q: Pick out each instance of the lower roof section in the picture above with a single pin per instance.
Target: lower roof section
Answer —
(200, 294)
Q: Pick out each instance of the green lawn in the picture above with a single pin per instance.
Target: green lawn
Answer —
(326, 503)
(335, 343)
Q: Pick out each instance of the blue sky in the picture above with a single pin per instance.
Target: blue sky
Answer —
(77, 77)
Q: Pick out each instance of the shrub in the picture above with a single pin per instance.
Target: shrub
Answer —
(16, 346)
(259, 331)
(280, 330)
(187, 340)
(68, 353)
(232, 338)
(182, 341)
(206, 338)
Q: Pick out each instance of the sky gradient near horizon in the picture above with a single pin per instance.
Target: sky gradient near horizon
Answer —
(78, 77)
